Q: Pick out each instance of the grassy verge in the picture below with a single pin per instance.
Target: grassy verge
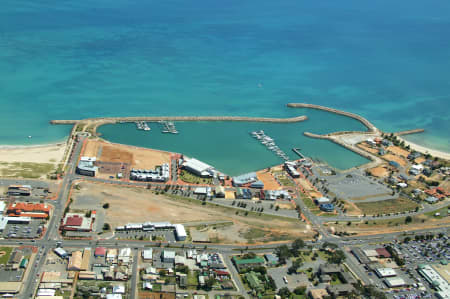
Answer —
(26, 170)
(398, 205)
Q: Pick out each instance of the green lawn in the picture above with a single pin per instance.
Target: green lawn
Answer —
(443, 213)
(192, 280)
(156, 288)
(4, 259)
(188, 177)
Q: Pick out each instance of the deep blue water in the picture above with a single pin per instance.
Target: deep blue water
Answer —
(387, 60)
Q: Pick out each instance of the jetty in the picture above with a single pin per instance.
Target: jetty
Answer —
(297, 151)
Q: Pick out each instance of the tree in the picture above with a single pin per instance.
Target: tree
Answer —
(106, 205)
(329, 245)
(284, 292)
(297, 245)
(408, 219)
(283, 253)
(295, 265)
(106, 226)
(209, 283)
(337, 257)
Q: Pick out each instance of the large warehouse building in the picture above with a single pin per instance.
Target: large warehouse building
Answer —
(198, 167)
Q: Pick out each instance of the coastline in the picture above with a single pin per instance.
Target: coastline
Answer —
(39, 153)
(425, 150)
(29, 146)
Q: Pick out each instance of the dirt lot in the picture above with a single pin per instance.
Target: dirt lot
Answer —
(128, 204)
(391, 157)
(398, 151)
(380, 171)
(269, 181)
(135, 156)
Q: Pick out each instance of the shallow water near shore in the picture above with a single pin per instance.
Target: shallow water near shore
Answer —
(70, 60)
(229, 147)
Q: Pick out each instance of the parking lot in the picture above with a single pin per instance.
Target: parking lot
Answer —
(24, 231)
(424, 251)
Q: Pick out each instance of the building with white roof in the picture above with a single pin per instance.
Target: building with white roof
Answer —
(147, 254)
(168, 256)
(119, 289)
(385, 272)
(124, 255)
(198, 167)
(322, 200)
(180, 232)
(395, 282)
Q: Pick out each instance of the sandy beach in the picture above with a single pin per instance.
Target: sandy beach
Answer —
(426, 150)
(48, 153)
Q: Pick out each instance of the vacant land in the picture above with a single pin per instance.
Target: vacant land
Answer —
(28, 170)
(398, 151)
(128, 204)
(398, 205)
(380, 171)
(136, 157)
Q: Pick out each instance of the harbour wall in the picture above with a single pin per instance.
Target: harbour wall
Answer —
(408, 132)
(374, 160)
(181, 118)
(364, 121)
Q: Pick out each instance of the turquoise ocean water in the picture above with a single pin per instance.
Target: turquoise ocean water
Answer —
(389, 61)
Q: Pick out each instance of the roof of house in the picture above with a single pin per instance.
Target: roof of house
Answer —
(100, 251)
(74, 220)
(383, 252)
(255, 260)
